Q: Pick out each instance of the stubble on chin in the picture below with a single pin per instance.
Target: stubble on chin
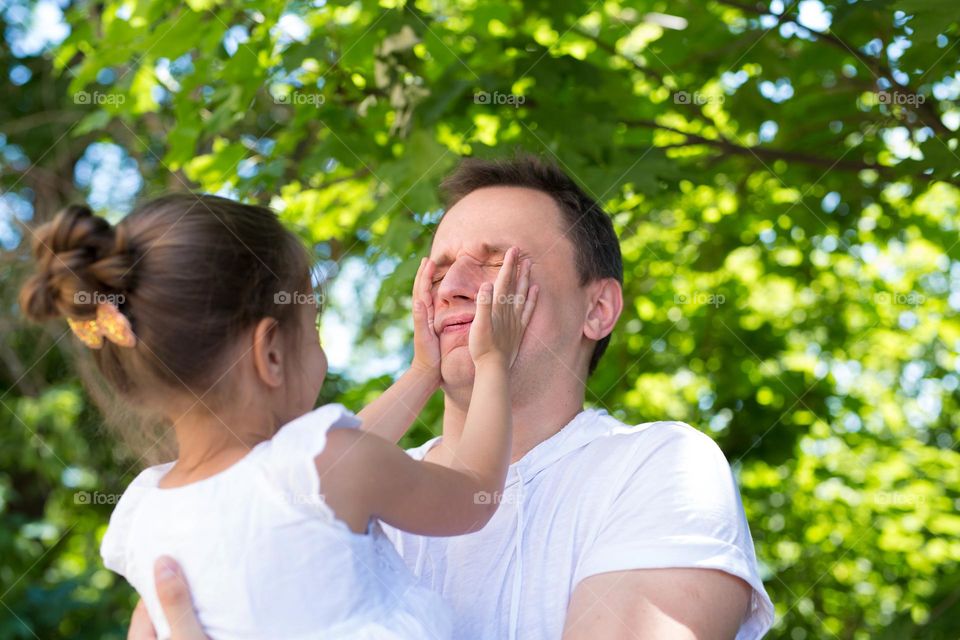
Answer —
(457, 374)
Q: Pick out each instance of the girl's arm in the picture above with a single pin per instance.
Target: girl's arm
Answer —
(390, 415)
(364, 476)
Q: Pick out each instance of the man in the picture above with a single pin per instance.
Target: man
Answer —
(603, 530)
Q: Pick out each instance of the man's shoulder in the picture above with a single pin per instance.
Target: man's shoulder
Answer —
(661, 436)
(663, 453)
(635, 444)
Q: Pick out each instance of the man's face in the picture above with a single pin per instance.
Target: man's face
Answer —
(468, 249)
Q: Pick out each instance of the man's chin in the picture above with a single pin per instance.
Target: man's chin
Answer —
(456, 368)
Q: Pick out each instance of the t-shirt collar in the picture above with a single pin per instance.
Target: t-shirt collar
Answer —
(585, 427)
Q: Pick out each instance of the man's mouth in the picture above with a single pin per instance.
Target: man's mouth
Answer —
(459, 323)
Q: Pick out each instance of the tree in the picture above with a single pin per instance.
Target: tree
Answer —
(782, 177)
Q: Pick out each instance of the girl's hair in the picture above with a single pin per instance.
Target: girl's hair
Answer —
(190, 272)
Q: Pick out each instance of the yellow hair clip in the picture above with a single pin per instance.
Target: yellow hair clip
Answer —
(109, 324)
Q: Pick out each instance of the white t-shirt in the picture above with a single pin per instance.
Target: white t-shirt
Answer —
(264, 556)
(599, 496)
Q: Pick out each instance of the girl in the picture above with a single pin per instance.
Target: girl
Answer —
(197, 308)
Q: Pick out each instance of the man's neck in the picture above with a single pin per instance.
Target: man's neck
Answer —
(533, 422)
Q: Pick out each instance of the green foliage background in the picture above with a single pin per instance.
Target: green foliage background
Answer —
(785, 194)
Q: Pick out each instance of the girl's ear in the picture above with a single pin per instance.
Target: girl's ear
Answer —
(606, 304)
(267, 351)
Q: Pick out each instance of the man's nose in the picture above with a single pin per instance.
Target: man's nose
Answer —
(461, 282)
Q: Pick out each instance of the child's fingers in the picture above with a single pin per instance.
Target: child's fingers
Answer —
(505, 278)
(417, 279)
(430, 319)
(426, 290)
(481, 320)
(423, 319)
(426, 279)
(523, 283)
(529, 303)
(485, 296)
(419, 313)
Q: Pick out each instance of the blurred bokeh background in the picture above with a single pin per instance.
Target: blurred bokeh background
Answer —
(782, 176)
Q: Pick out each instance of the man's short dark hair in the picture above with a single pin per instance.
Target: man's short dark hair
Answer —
(588, 227)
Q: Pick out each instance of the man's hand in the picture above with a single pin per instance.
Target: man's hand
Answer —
(679, 604)
(174, 594)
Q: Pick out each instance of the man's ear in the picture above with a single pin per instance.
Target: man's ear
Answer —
(605, 305)
(268, 353)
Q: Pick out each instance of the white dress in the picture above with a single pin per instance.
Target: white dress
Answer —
(262, 553)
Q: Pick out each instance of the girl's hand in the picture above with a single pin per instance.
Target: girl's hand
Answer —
(426, 343)
(390, 415)
(503, 312)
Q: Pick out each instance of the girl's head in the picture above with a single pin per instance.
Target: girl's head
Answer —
(216, 293)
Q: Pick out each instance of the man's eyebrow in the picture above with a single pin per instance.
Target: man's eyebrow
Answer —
(443, 260)
(502, 250)
(490, 249)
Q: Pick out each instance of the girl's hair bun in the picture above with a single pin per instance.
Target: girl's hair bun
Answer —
(82, 260)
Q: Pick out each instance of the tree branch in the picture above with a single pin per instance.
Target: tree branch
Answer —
(761, 153)
(876, 66)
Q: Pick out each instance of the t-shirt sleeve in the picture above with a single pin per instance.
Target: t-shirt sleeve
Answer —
(115, 546)
(291, 460)
(676, 505)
